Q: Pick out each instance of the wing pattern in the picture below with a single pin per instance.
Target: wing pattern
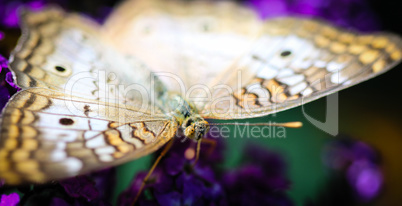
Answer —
(297, 60)
(270, 66)
(53, 129)
(64, 52)
(43, 140)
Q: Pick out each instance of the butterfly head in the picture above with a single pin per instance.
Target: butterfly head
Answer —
(195, 127)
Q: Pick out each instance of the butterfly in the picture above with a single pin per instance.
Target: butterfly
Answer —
(95, 96)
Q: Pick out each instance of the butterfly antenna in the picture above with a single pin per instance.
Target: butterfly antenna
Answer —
(285, 124)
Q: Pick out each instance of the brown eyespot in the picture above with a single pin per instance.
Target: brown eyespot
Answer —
(66, 121)
(60, 68)
(286, 53)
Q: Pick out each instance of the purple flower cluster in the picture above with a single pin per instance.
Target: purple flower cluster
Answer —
(176, 182)
(355, 14)
(8, 11)
(260, 180)
(91, 189)
(359, 164)
(95, 9)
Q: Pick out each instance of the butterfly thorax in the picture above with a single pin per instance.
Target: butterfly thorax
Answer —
(186, 114)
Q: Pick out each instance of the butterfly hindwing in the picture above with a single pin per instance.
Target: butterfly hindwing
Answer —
(43, 139)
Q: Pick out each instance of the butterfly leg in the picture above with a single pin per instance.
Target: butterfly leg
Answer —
(205, 141)
(197, 154)
(144, 181)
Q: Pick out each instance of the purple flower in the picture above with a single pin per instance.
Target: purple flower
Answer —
(10, 81)
(9, 10)
(86, 190)
(260, 181)
(366, 179)
(3, 63)
(355, 14)
(105, 181)
(7, 85)
(359, 164)
(10, 199)
(176, 182)
(270, 8)
(94, 188)
(80, 186)
(95, 9)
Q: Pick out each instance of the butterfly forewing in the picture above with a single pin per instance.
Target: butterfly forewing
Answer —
(65, 52)
(295, 61)
(193, 41)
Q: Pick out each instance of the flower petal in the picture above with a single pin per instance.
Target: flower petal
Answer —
(10, 199)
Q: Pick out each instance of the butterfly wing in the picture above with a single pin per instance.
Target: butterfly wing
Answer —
(295, 61)
(241, 67)
(193, 40)
(64, 52)
(50, 130)
(42, 139)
